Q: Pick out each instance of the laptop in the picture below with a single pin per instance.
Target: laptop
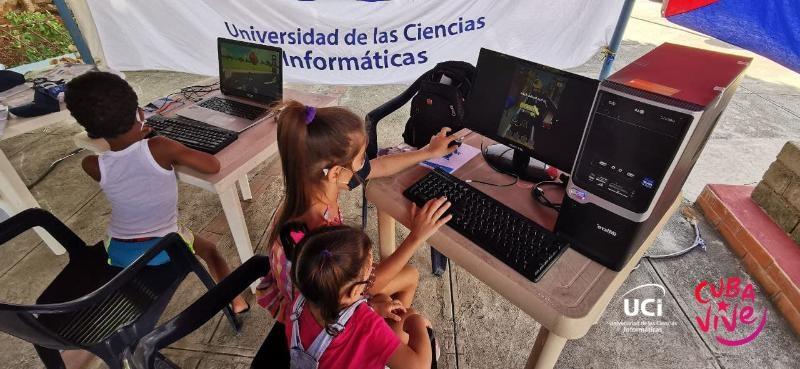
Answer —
(250, 80)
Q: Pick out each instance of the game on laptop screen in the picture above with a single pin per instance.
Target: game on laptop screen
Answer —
(250, 70)
(531, 107)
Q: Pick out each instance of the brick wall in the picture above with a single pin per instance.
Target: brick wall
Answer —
(778, 193)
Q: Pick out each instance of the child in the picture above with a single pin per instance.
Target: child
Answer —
(137, 173)
(329, 322)
(323, 152)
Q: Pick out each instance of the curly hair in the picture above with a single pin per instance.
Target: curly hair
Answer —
(103, 103)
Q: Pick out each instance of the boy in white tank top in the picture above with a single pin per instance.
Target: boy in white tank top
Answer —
(137, 174)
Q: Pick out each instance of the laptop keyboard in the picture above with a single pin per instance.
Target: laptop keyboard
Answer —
(234, 108)
(194, 134)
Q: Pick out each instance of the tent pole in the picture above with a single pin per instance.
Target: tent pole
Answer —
(616, 38)
(74, 31)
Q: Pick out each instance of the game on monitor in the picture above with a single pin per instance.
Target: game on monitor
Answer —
(535, 110)
(250, 70)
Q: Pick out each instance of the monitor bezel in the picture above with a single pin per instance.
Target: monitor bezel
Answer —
(502, 140)
(239, 93)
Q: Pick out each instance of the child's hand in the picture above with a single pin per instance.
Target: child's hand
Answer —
(414, 321)
(438, 146)
(388, 308)
(426, 221)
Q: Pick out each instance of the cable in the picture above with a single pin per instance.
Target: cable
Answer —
(483, 154)
(197, 92)
(698, 241)
(51, 167)
(538, 194)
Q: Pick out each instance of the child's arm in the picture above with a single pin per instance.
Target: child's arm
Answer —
(424, 223)
(388, 165)
(91, 166)
(168, 152)
(417, 354)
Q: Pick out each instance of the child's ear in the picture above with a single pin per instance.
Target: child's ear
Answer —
(331, 174)
(355, 294)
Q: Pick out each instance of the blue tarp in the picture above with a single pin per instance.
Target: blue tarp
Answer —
(767, 27)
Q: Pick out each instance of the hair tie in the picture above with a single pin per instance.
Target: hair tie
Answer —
(311, 112)
(326, 253)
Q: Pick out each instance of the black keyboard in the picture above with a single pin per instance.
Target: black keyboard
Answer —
(509, 236)
(194, 134)
(232, 107)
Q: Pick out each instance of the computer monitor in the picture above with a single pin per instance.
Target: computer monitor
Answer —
(248, 70)
(536, 110)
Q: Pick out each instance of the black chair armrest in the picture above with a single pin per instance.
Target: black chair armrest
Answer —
(34, 217)
(198, 313)
(389, 107)
(171, 243)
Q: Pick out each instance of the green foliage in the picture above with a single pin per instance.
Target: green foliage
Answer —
(35, 36)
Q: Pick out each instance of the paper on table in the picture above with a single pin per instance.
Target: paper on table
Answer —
(450, 163)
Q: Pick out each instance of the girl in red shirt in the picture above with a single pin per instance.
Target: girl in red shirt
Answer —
(330, 325)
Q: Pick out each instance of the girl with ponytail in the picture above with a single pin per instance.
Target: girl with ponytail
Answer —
(323, 152)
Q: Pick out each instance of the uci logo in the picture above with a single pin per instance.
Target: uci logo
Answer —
(651, 307)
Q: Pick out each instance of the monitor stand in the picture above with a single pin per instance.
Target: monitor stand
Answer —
(510, 161)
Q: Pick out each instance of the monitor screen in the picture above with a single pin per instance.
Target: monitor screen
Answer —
(250, 70)
(533, 108)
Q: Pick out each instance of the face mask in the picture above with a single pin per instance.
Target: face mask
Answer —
(359, 177)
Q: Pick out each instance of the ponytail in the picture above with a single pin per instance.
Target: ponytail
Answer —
(309, 140)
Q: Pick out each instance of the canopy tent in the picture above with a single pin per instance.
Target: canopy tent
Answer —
(767, 27)
(353, 42)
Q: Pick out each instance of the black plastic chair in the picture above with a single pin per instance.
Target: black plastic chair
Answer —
(438, 261)
(91, 305)
(146, 354)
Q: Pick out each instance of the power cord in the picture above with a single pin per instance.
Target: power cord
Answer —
(689, 215)
(698, 239)
(538, 194)
(51, 167)
(196, 92)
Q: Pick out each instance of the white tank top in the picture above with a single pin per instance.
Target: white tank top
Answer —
(143, 195)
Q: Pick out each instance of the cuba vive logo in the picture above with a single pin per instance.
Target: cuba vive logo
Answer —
(729, 311)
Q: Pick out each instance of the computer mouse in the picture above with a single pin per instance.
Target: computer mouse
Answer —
(454, 143)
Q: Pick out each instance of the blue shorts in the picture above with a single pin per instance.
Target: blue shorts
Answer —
(123, 253)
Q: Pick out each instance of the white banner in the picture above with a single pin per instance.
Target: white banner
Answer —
(350, 41)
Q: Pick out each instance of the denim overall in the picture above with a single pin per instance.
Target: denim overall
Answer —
(309, 359)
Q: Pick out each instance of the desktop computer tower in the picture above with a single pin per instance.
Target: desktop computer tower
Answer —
(649, 123)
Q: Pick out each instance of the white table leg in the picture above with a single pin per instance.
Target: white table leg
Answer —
(244, 187)
(546, 350)
(386, 234)
(17, 198)
(235, 217)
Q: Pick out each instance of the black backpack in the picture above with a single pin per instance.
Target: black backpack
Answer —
(437, 104)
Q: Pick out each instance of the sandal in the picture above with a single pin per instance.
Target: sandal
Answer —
(437, 352)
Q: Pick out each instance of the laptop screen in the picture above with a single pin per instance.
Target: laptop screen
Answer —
(249, 70)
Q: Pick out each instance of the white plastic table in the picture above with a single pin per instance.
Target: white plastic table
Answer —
(253, 147)
(566, 301)
(14, 195)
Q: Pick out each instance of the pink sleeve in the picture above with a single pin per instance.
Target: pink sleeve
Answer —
(380, 337)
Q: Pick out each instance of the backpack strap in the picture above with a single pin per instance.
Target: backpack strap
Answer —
(324, 338)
